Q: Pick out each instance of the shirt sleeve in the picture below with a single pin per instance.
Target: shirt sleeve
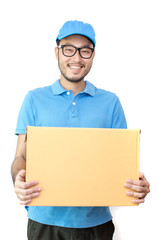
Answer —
(26, 115)
(118, 119)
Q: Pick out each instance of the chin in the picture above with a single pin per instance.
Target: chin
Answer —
(74, 80)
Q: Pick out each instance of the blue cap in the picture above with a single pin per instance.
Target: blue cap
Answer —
(77, 27)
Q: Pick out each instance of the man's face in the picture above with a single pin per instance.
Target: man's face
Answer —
(74, 68)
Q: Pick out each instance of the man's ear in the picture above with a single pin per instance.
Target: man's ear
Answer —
(94, 54)
(56, 52)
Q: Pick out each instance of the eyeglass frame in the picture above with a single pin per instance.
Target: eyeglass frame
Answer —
(76, 49)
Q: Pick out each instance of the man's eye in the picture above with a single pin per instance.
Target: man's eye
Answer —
(85, 51)
(69, 49)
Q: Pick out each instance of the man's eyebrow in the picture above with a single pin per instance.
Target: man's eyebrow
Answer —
(85, 46)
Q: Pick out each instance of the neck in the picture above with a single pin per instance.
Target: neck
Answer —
(75, 87)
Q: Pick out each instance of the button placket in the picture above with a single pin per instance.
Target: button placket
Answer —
(74, 108)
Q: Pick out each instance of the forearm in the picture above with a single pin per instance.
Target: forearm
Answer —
(18, 164)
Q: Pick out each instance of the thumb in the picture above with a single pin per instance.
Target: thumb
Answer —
(141, 175)
(21, 176)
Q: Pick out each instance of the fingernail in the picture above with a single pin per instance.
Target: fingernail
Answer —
(34, 182)
(129, 193)
(128, 181)
(36, 194)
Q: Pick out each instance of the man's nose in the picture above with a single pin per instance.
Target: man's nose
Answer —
(77, 55)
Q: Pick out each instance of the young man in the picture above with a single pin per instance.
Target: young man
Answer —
(69, 102)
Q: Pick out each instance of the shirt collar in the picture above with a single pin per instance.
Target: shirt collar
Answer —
(90, 89)
(57, 88)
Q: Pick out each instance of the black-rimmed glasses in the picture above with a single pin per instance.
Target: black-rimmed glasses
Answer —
(70, 51)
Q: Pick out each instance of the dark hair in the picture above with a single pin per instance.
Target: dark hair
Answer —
(58, 42)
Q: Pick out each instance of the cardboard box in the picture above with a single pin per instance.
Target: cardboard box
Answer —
(82, 166)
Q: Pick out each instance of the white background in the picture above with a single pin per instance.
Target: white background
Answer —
(127, 62)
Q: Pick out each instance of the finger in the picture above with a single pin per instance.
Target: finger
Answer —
(143, 186)
(21, 175)
(24, 198)
(141, 176)
(138, 201)
(25, 202)
(31, 191)
(25, 185)
(136, 195)
(142, 183)
(26, 192)
(136, 188)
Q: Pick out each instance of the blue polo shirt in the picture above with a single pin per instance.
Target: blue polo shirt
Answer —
(54, 106)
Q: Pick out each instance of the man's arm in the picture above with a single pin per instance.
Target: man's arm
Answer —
(19, 162)
(23, 189)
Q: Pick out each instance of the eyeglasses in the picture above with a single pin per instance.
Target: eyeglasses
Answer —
(70, 51)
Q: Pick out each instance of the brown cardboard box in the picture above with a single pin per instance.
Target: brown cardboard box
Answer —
(82, 166)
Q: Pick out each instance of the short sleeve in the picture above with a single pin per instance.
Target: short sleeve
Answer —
(26, 115)
(118, 119)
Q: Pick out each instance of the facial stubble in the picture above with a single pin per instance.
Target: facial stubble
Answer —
(73, 80)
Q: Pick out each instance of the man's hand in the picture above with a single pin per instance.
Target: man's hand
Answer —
(23, 189)
(141, 188)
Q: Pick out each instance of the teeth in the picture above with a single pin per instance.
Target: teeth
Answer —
(75, 67)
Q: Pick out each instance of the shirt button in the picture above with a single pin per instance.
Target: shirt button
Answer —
(74, 103)
(68, 93)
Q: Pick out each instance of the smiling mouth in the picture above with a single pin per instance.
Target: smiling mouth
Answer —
(75, 66)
